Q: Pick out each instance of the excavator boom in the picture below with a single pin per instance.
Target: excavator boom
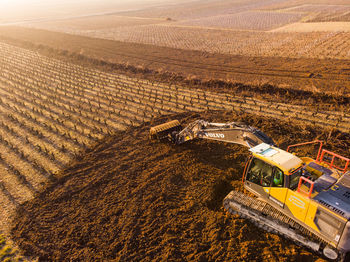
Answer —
(233, 132)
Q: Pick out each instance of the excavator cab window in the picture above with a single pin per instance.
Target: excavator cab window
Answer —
(260, 173)
(278, 178)
(294, 178)
(253, 174)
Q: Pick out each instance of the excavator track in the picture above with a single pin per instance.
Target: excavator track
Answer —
(272, 220)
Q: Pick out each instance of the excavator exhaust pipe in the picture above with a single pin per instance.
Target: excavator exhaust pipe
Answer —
(164, 131)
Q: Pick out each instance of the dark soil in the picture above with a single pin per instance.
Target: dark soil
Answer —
(132, 199)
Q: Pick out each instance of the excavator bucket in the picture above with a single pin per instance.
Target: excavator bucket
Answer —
(162, 131)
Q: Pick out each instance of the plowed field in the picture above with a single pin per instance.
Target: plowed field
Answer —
(132, 199)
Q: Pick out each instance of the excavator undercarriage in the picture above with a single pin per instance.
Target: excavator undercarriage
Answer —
(270, 219)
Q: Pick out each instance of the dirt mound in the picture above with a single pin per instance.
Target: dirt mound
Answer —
(131, 199)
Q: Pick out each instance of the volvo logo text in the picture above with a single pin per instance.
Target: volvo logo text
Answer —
(214, 135)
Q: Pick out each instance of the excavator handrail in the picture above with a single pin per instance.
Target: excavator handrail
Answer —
(321, 155)
(335, 156)
(300, 190)
(308, 143)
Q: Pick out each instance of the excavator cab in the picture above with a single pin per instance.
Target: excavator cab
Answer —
(267, 173)
(264, 174)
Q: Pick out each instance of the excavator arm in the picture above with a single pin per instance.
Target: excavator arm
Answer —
(236, 133)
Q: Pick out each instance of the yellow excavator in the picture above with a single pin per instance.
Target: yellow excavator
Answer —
(304, 199)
